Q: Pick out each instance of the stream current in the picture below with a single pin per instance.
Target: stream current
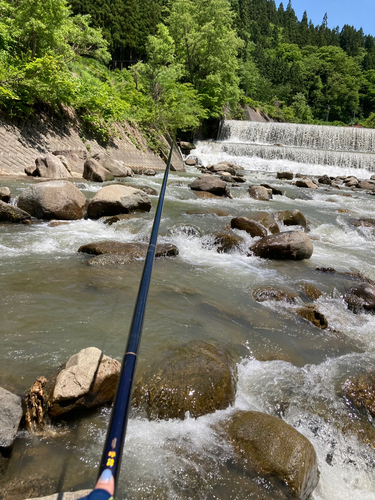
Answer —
(53, 305)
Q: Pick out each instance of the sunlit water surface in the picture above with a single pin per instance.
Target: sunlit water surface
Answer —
(53, 304)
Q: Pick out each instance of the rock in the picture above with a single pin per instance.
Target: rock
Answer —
(93, 171)
(204, 195)
(360, 392)
(186, 147)
(292, 245)
(196, 377)
(250, 226)
(31, 170)
(351, 181)
(51, 167)
(5, 194)
(116, 218)
(272, 448)
(324, 179)
(185, 229)
(361, 298)
(227, 242)
(113, 166)
(367, 222)
(210, 184)
(88, 379)
(265, 219)
(150, 172)
(190, 162)
(10, 417)
(117, 199)
(366, 185)
(264, 294)
(311, 291)
(292, 218)
(313, 315)
(221, 167)
(70, 495)
(285, 175)
(53, 200)
(14, 215)
(306, 183)
(238, 179)
(132, 250)
(148, 190)
(260, 193)
(274, 190)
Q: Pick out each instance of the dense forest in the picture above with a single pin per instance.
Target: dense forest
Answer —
(172, 64)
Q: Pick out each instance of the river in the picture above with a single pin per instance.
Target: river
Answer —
(53, 304)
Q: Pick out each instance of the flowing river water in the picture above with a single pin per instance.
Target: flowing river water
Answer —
(53, 304)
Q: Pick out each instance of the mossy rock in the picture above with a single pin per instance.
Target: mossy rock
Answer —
(197, 377)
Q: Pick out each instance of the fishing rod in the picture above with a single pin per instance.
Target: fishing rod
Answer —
(110, 463)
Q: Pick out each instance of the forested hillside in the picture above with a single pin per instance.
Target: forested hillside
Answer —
(168, 64)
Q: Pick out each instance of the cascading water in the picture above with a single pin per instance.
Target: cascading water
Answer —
(54, 304)
(317, 144)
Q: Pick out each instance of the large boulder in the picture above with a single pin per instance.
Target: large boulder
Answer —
(292, 245)
(93, 171)
(88, 379)
(210, 184)
(113, 166)
(52, 167)
(117, 199)
(361, 298)
(53, 200)
(11, 214)
(271, 448)
(75, 158)
(196, 377)
(10, 416)
(250, 226)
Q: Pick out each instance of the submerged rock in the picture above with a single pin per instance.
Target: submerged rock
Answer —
(10, 416)
(292, 245)
(360, 392)
(196, 377)
(313, 315)
(53, 200)
(117, 199)
(311, 291)
(271, 448)
(131, 250)
(292, 218)
(361, 298)
(13, 215)
(226, 242)
(264, 294)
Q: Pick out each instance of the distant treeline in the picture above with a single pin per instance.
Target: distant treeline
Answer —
(171, 64)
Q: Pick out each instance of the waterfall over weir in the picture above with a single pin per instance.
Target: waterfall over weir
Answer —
(318, 144)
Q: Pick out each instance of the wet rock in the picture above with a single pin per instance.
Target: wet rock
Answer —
(88, 379)
(32, 488)
(117, 199)
(10, 416)
(311, 291)
(51, 167)
(264, 294)
(313, 315)
(250, 226)
(148, 190)
(196, 377)
(133, 250)
(227, 242)
(112, 219)
(270, 447)
(221, 167)
(149, 172)
(265, 219)
(361, 298)
(93, 171)
(306, 183)
(366, 222)
(53, 200)
(238, 179)
(5, 194)
(324, 179)
(274, 190)
(210, 184)
(293, 245)
(292, 218)
(351, 181)
(191, 162)
(13, 215)
(69, 495)
(360, 392)
(35, 406)
(113, 166)
(204, 195)
(366, 185)
(186, 229)
(285, 175)
(260, 193)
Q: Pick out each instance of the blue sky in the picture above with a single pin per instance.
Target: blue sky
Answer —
(359, 13)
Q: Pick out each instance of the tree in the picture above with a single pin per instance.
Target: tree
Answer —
(207, 47)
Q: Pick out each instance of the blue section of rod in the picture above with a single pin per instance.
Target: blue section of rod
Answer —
(112, 452)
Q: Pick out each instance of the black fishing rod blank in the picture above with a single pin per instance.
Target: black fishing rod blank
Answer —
(112, 452)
